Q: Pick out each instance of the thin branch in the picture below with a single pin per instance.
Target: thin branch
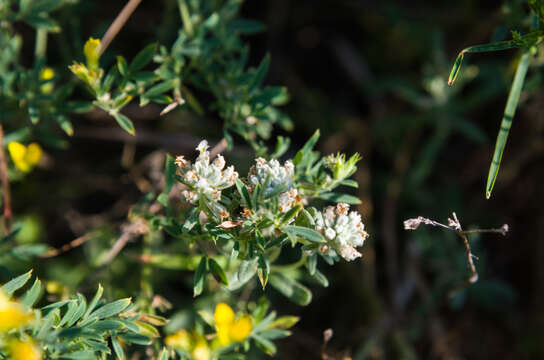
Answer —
(118, 24)
(5, 184)
(455, 225)
(128, 232)
(71, 245)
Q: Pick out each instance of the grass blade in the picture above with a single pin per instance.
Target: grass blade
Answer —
(509, 111)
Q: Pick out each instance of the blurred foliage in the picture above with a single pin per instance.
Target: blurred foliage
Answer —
(98, 208)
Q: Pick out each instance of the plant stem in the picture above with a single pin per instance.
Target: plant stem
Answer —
(118, 24)
(185, 17)
(5, 183)
(40, 48)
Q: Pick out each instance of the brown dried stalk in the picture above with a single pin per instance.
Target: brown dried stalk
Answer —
(455, 225)
(118, 24)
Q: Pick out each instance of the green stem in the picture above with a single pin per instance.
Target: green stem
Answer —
(185, 17)
(40, 48)
(292, 266)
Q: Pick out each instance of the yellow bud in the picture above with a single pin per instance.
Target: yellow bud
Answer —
(241, 329)
(12, 314)
(223, 334)
(91, 50)
(180, 339)
(24, 350)
(223, 314)
(47, 73)
(53, 287)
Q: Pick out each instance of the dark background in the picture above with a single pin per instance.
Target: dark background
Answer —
(372, 76)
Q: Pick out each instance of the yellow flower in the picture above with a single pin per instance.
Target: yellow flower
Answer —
(91, 50)
(25, 157)
(12, 314)
(47, 74)
(201, 350)
(180, 339)
(228, 328)
(24, 350)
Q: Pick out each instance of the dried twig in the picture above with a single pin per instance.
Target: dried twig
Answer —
(455, 225)
(128, 231)
(72, 244)
(5, 183)
(118, 24)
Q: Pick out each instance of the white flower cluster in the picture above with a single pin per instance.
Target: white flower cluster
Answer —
(271, 176)
(343, 231)
(205, 179)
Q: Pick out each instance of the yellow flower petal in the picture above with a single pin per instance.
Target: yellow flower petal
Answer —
(240, 329)
(223, 314)
(24, 350)
(33, 154)
(181, 339)
(12, 314)
(16, 150)
(47, 73)
(223, 335)
(91, 50)
(201, 351)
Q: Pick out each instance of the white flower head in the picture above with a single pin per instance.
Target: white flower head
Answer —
(271, 175)
(206, 180)
(343, 231)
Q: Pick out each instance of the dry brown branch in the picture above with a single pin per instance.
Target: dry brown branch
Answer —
(455, 225)
(71, 245)
(128, 231)
(118, 24)
(5, 183)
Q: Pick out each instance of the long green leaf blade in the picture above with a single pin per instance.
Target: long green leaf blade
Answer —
(509, 111)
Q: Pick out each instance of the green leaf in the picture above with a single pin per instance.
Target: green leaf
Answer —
(304, 154)
(94, 301)
(65, 124)
(125, 123)
(340, 198)
(265, 345)
(32, 295)
(43, 22)
(15, 284)
(246, 26)
(160, 88)
(290, 214)
(350, 183)
(169, 173)
(200, 276)
(122, 66)
(305, 233)
(244, 193)
(111, 309)
(119, 352)
(135, 338)
(218, 272)
(45, 6)
(506, 123)
(143, 58)
(260, 73)
(80, 355)
(263, 271)
(246, 271)
(282, 145)
(291, 289)
(163, 355)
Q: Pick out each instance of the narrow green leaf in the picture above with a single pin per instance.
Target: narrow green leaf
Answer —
(291, 289)
(173, 261)
(111, 309)
(15, 284)
(143, 58)
(94, 301)
(265, 345)
(200, 276)
(218, 272)
(350, 183)
(506, 123)
(246, 271)
(169, 173)
(122, 66)
(340, 198)
(125, 123)
(244, 193)
(160, 88)
(33, 294)
(260, 73)
(305, 233)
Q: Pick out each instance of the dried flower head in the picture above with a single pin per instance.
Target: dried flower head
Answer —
(271, 175)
